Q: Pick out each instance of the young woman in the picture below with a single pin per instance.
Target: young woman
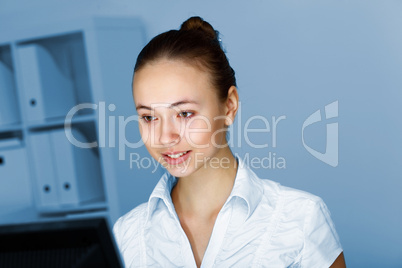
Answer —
(210, 209)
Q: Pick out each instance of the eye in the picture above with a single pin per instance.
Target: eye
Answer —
(148, 118)
(185, 114)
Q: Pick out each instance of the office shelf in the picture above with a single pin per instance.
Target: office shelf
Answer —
(61, 122)
(55, 74)
(9, 110)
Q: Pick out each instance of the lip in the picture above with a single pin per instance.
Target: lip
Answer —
(176, 161)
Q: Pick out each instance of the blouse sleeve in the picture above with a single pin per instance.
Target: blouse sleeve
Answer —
(321, 242)
(127, 234)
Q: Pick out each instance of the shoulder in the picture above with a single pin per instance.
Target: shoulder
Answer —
(275, 193)
(128, 225)
(287, 197)
(133, 215)
(298, 198)
(295, 206)
(305, 219)
(303, 207)
(272, 197)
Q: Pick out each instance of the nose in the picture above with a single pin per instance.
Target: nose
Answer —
(169, 133)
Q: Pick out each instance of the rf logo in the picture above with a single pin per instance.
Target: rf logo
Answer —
(330, 156)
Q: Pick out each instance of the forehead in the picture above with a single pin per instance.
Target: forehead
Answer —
(167, 81)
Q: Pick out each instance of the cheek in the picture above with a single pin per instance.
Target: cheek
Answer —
(198, 132)
(202, 133)
(218, 132)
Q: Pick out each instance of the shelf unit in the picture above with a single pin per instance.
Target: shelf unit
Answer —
(50, 167)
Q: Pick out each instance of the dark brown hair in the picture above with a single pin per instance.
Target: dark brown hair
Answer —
(196, 43)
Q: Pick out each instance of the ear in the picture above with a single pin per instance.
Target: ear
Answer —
(231, 105)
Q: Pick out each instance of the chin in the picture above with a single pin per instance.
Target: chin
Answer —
(183, 169)
(180, 170)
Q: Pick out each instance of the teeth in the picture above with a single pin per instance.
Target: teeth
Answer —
(176, 155)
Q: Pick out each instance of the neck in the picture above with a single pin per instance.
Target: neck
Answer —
(203, 193)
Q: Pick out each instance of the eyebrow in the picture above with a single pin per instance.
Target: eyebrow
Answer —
(178, 103)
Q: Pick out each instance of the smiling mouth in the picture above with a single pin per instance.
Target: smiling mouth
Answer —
(176, 155)
(176, 158)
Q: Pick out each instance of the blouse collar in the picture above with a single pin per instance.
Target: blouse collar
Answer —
(247, 187)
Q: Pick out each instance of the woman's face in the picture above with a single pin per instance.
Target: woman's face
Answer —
(182, 121)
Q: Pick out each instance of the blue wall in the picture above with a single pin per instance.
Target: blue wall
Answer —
(291, 59)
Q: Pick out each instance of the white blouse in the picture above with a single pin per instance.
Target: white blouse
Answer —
(261, 224)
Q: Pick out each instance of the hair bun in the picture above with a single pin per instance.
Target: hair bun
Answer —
(198, 24)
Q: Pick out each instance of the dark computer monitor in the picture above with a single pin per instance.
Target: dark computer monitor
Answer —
(70, 243)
